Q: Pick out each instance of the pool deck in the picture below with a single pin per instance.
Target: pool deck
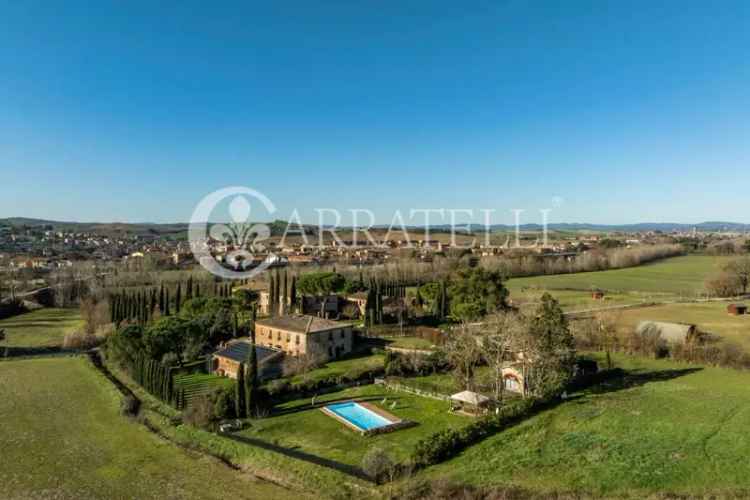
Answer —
(395, 422)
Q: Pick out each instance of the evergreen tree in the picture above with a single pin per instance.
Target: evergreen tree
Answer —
(197, 289)
(293, 296)
(271, 299)
(239, 397)
(178, 298)
(251, 377)
(161, 299)
(189, 291)
(166, 302)
(284, 294)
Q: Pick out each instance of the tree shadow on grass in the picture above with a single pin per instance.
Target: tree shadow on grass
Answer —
(301, 455)
(618, 379)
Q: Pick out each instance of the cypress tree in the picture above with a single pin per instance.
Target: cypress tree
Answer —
(239, 396)
(277, 293)
(189, 291)
(251, 378)
(161, 299)
(284, 294)
(197, 290)
(178, 298)
(166, 302)
(114, 306)
(251, 381)
(271, 301)
(293, 295)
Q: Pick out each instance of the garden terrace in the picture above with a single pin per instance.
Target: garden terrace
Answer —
(199, 384)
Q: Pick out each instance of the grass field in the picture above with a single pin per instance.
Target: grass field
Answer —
(710, 317)
(41, 328)
(677, 276)
(669, 428)
(295, 425)
(62, 437)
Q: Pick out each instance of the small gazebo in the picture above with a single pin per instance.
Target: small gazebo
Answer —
(469, 402)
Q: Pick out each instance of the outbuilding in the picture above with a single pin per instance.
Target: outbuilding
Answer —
(669, 332)
(737, 309)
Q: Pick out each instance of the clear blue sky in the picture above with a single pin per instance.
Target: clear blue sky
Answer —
(622, 111)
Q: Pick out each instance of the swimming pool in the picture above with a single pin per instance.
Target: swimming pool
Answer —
(358, 416)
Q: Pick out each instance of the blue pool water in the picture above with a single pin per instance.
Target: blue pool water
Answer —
(359, 415)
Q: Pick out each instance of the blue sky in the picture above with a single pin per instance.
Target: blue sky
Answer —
(610, 112)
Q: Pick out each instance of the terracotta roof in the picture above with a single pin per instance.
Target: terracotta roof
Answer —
(299, 323)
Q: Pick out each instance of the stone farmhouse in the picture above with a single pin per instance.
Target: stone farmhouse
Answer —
(300, 335)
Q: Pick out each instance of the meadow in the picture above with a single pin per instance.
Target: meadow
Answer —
(670, 278)
(40, 328)
(710, 317)
(665, 428)
(63, 437)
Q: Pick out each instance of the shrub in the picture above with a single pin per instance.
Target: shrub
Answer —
(130, 406)
(377, 464)
(207, 410)
(80, 340)
(200, 413)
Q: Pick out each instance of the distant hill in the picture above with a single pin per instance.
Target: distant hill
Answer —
(277, 227)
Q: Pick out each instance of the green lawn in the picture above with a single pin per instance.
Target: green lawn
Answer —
(296, 425)
(668, 430)
(62, 437)
(41, 328)
(579, 300)
(677, 276)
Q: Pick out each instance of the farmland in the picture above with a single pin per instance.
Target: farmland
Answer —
(710, 317)
(41, 328)
(62, 437)
(671, 278)
(667, 427)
